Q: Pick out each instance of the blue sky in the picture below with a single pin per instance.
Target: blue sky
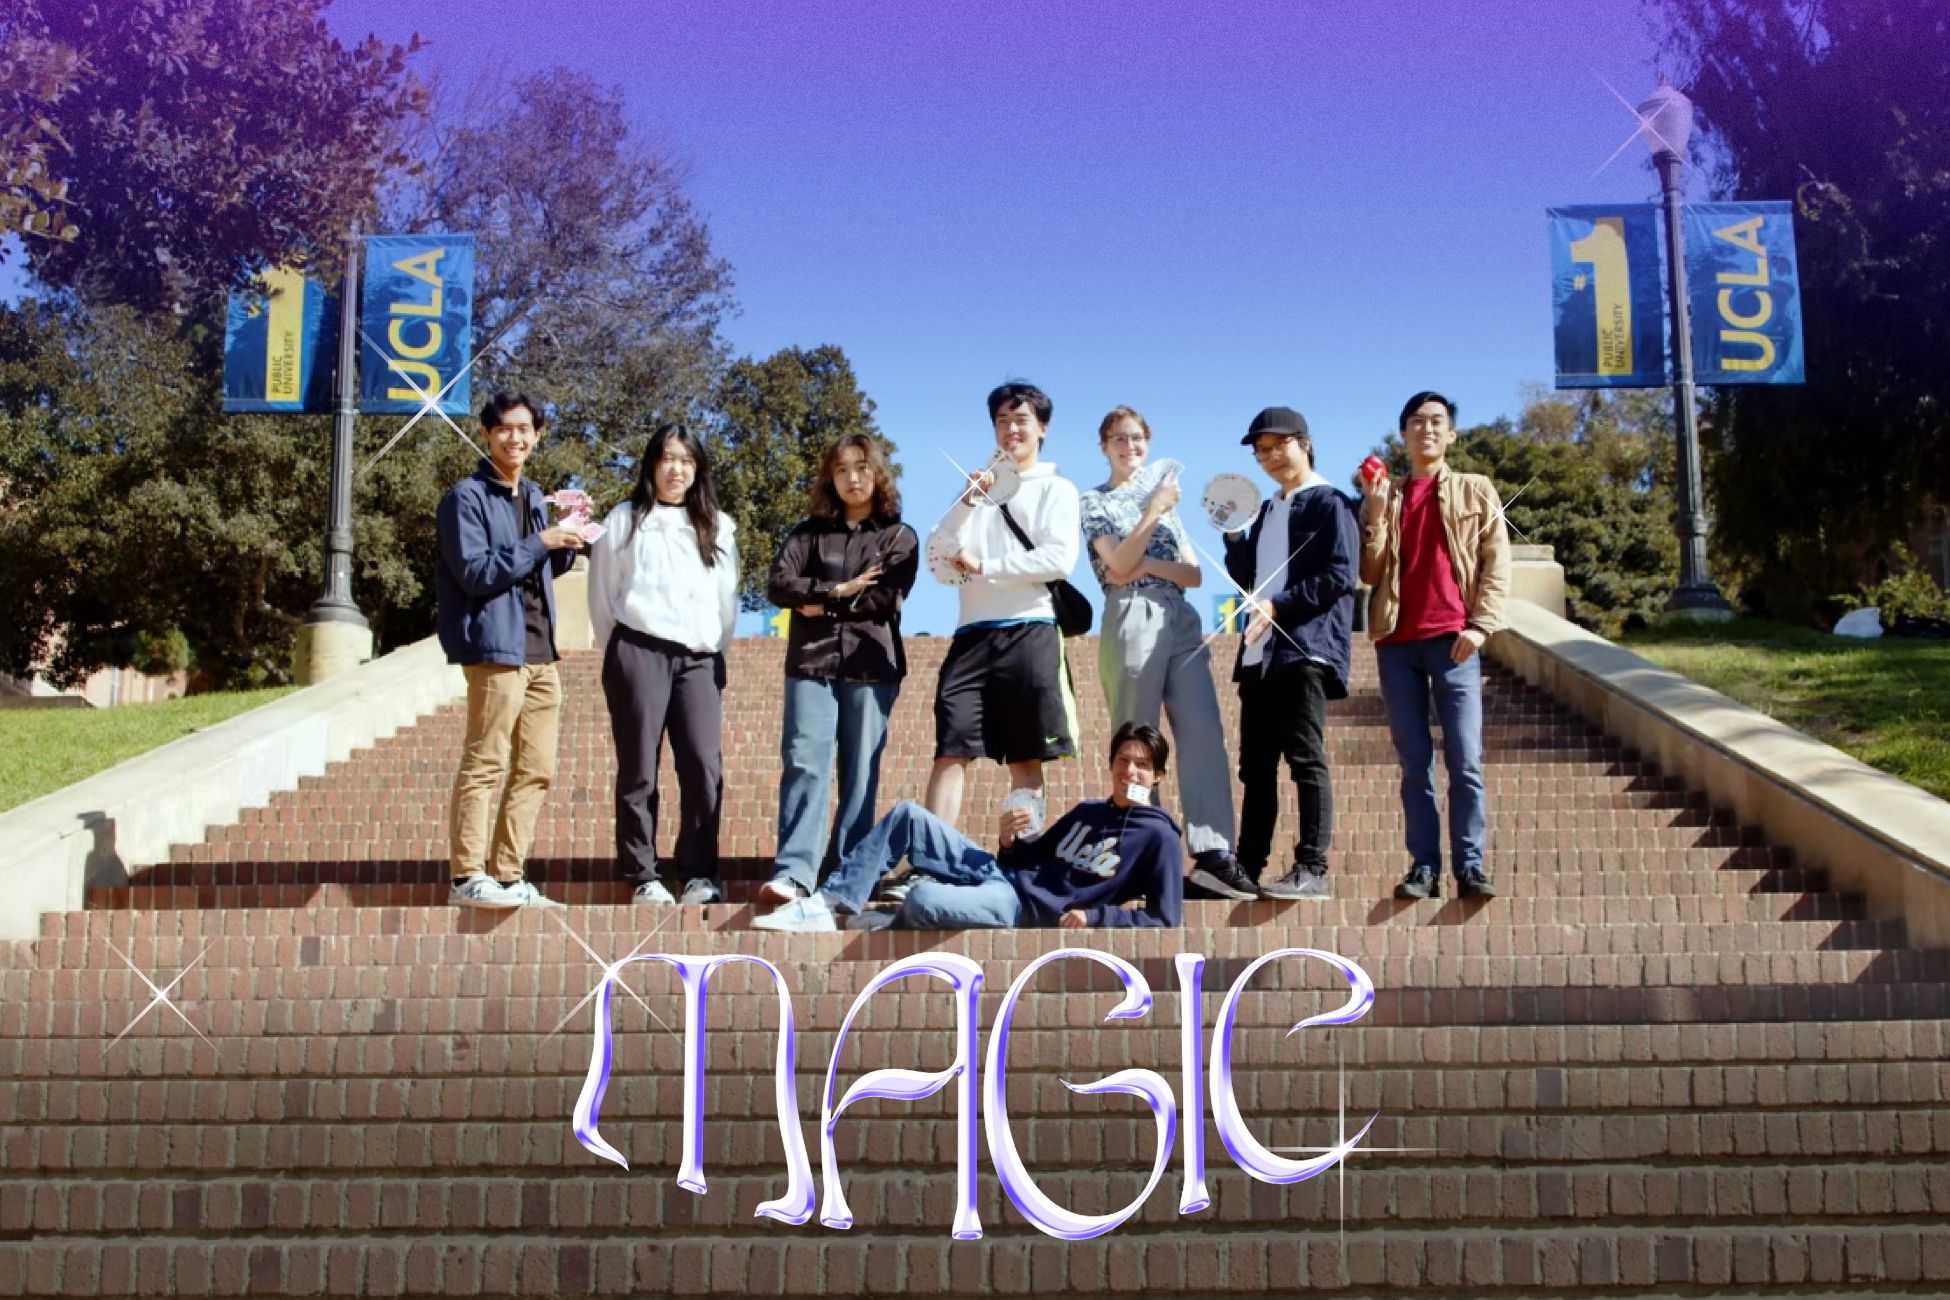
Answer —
(1195, 209)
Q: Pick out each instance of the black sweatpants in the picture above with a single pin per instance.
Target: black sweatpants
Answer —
(655, 686)
(1284, 716)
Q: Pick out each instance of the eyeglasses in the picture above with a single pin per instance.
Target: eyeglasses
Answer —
(1126, 440)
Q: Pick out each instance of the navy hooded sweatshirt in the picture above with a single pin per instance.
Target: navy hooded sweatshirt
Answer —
(1096, 858)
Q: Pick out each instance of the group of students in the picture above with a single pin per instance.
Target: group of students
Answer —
(663, 579)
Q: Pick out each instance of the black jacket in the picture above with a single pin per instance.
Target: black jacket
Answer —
(856, 640)
(1316, 607)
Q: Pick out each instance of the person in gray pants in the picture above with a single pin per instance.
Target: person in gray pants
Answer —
(1151, 656)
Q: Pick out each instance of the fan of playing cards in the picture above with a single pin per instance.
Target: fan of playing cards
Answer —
(575, 506)
(942, 550)
(1230, 501)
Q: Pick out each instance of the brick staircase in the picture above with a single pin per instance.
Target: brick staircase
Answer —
(1669, 1060)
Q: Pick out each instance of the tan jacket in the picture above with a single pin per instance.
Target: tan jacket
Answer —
(1479, 552)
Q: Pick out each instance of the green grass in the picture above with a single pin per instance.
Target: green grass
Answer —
(42, 750)
(1887, 702)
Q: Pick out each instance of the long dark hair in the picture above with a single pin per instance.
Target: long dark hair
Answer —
(700, 502)
(826, 503)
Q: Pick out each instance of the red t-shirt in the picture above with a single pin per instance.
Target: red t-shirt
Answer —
(1431, 604)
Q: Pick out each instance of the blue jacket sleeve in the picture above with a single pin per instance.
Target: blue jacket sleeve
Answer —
(481, 568)
(1164, 894)
(1310, 596)
(1242, 557)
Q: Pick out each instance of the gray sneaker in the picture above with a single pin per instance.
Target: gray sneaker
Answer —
(522, 894)
(700, 891)
(483, 892)
(1298, 883)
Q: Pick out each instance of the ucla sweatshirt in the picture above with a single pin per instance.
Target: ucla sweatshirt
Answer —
(1095, 859)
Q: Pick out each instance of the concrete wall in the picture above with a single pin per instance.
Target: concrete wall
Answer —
(1875, 834)
(112, 826)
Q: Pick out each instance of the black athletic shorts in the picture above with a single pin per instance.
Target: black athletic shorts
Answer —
(1004, 693)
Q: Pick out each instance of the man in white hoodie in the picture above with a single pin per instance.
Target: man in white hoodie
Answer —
(1004, 691)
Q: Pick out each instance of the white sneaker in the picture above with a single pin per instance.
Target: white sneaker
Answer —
(699, 892)
(780, 890)
(655, 892)
(483, 892)
(800, 916)
(895, 889)
(523, 894)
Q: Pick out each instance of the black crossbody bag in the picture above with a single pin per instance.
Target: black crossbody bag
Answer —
(1073, 611)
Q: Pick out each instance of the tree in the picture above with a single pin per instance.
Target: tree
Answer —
(194, 141)
(1591, 477)
(776, 417)
(35, 74)
(1843, 107)
(596, 291)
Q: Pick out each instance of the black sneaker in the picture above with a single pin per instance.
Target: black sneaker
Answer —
(1474, 884)
(1301, 882)
(1420, 882)
(1220, 876)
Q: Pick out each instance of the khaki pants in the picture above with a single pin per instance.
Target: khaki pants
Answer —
(510, 712)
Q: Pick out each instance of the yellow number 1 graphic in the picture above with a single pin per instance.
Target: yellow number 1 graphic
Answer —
(1603, 250)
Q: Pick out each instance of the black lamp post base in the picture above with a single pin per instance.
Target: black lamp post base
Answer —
(1700, 604)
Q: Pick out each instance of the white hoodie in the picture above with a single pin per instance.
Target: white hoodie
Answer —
(1013, 583)
(650, 578)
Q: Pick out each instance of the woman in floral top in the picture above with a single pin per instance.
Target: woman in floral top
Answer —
(1151, 656)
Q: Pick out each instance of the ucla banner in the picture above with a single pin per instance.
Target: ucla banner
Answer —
(1742, 278)
(279, 346)
(1228, 614)
(415, 321)
(1608, 297)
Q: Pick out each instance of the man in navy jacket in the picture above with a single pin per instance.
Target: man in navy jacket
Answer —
(494, 583)
(1105, 864)
(1300, 556)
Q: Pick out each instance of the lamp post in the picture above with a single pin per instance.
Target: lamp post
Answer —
(1668, 119)
(335, 635)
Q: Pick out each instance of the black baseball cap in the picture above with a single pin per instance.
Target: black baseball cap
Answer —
(1275, 419)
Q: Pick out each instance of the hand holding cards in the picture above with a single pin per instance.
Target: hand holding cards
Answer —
(575, 506)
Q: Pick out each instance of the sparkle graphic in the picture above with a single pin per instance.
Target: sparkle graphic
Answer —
(1502, 512)
(612, 973)
(1347, 1146)
(965, 477)
(432, 403)
(1644, 126)
(1251, 597)
(160, 997)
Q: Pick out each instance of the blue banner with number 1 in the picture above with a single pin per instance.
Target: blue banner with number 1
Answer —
(1608, 300)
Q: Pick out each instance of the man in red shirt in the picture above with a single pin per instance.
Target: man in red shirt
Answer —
(1436, 552)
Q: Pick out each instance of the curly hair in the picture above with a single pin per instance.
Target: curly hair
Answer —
(826, 503)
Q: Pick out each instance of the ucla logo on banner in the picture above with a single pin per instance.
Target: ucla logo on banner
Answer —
(1742, 278)
(277, 346)
(416, 319)
(1608, 296)
(1227, 614)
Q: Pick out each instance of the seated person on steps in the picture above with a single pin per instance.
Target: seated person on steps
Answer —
(1111, 863)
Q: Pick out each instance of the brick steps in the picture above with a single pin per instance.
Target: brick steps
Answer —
(1667, 1060)
(1357, 1264)
(1273, 1091)
(399, 908)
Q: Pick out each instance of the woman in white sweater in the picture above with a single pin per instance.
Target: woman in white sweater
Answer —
(663, 597)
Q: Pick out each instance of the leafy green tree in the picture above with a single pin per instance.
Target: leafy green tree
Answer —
(1843, 107)
(596, 292)
(193, 141)
(1589, 476)
(140, 527)
(775, 418)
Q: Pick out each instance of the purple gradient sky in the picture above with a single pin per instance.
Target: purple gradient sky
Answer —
(1197, 209)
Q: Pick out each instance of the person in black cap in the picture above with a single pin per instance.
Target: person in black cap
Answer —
(1299, 559)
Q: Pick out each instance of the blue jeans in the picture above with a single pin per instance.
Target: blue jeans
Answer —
(1412, 671)
(817, 715)
(964, 886)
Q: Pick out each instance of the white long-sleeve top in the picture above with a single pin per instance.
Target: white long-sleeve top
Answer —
(1013, 583)
(651, 578)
